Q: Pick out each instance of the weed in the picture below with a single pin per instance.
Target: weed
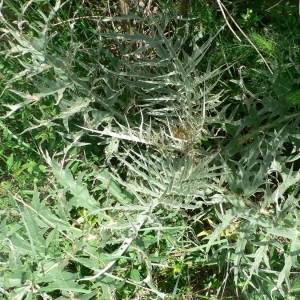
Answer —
(147, 154)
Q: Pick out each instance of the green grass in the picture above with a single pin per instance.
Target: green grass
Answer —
(146, 156)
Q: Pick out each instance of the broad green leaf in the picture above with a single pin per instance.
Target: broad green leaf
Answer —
(82, 197)
(35, 235)
(135, 275)
(62, 281)
(285, 233)
(284, 274)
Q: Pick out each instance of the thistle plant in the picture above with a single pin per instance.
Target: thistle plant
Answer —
(155, 171)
